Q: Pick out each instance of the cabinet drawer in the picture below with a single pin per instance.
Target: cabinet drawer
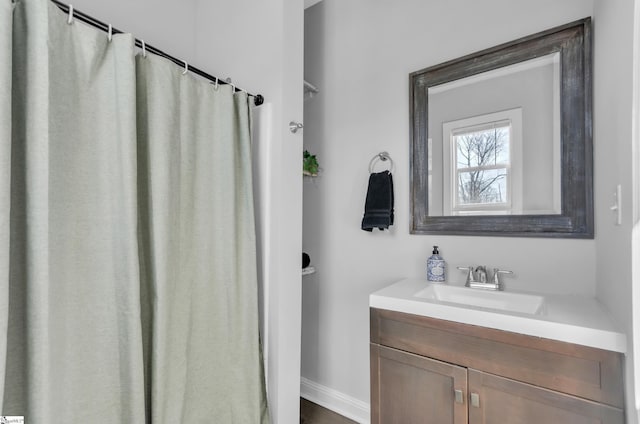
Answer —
(582, 371)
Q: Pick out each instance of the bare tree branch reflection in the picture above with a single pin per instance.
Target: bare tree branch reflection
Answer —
(478, 153)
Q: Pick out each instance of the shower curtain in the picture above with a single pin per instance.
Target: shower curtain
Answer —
(128, 290)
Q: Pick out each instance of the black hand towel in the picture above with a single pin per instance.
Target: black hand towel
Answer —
(378, 208)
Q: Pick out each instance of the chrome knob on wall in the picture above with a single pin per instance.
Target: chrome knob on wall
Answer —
(295, 126)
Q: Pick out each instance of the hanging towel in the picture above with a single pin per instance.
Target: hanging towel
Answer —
(378, 208)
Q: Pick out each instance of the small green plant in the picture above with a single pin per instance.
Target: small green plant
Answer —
(309, 164)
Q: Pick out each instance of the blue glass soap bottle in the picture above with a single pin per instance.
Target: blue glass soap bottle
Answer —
(435, 267)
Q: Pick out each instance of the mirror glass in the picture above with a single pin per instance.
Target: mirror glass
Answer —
(501, 139)
(494, 141)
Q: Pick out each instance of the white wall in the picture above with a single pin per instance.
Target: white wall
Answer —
(635, 248)
(359, 54)
(613, 122)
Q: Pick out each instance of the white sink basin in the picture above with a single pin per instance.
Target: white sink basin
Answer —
(568, 318)
(503, 301)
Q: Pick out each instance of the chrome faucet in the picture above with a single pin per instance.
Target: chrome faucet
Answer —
(479, 280)
(481, 271)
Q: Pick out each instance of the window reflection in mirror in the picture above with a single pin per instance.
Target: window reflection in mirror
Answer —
(482, 164)
(481, 176)
(494, 142)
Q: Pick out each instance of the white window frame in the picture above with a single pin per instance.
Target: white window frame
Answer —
(514, 170)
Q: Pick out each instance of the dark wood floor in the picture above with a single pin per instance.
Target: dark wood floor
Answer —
(310, 413)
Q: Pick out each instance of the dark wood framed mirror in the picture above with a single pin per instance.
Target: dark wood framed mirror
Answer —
(501, 139)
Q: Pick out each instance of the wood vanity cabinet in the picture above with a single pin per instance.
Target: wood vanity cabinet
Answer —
(426, 370)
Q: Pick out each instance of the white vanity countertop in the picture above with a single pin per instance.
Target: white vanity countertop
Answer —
(568, 318)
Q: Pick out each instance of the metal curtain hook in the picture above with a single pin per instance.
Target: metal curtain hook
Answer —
(144, 48)
(110, 33)
(215, 85)
(70, 16)
(186, 68)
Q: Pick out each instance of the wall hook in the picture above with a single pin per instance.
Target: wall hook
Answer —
(295, 126)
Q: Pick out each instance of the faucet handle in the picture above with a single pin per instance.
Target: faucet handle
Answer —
(470, 276)
(496, 275)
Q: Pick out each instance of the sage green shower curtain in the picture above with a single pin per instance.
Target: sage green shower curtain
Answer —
(128, 289)
(6, 28)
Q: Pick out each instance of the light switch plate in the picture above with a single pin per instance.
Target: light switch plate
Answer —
(617, 204)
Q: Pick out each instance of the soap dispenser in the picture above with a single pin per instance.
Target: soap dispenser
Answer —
(435, 267)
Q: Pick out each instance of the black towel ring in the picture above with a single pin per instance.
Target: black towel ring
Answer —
(383, 156)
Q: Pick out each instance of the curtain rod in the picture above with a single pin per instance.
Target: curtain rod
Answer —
(258, 99)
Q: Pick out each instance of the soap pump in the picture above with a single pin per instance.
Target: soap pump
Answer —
(435, 267)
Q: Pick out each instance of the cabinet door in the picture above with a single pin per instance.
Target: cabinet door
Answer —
(407, 389)
(498, 400)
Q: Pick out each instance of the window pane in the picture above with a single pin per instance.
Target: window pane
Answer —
(482, 186)
(484, 147)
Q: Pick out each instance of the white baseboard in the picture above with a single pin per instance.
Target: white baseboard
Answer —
(338, 402)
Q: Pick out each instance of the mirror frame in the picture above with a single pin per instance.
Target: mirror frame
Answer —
(573, 42)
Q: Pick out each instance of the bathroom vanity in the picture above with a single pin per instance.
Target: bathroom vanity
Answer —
(437, 361)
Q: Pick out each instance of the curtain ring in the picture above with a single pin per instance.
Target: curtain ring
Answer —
(110, 33)
(215, 85)
(144, 48)
(233, 88)
(70, 16)
(186, 68)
